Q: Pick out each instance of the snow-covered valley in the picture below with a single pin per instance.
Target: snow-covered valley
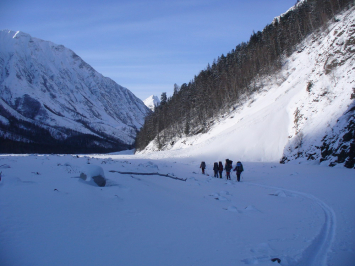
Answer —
(300, 214)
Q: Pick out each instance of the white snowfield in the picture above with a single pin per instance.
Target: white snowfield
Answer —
(300, 214)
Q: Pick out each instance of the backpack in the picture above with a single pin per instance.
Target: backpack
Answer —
(220, 166)
(203, 165)
(239, 167)
(228, 165)
(215, 166)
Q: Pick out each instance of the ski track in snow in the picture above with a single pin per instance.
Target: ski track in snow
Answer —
(313, 247)
(316, 253)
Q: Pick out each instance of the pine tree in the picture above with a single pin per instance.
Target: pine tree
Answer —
(163, 98)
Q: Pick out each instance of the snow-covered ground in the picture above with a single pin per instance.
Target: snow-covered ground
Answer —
(300, 214)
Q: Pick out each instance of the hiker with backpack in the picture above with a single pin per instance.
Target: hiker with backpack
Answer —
(228, 167)
(215, 169)
(220, 169)
(203, 167)
(239, 169)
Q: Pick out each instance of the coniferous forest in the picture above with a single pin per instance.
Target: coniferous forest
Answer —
(217, 89)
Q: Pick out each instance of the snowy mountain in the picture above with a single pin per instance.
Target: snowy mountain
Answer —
(51, 98)
(304, 112)
(151, 102)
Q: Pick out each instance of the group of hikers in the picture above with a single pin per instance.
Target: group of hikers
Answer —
(228, 166)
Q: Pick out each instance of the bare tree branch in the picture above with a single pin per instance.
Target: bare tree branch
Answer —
(134, 173)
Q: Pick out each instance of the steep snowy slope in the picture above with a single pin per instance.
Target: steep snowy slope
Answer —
(304, 112)
(44, 86)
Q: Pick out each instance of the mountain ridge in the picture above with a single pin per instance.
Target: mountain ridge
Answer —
(51, 87)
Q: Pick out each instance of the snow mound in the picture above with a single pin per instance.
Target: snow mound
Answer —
(251, 208)
(217, 196)
(279, 193)
(94, 175)
(149, 165)
(232, 209)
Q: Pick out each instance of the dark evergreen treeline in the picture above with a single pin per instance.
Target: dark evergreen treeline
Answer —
(219, 87)
(39, 139)
(81, 144)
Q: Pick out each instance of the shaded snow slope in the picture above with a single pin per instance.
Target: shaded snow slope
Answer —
(50, 86)
(294, 110)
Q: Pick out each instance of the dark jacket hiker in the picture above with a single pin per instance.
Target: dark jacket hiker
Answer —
(203, 167)
(215, 169)
(228, 167)
(239, 169)
(220, 169)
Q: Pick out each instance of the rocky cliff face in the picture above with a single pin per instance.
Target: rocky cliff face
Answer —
(324, 120)
(51, 99)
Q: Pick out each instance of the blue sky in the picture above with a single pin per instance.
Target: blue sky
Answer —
(145, 46)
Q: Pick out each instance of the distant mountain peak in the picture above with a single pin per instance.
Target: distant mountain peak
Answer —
(152, 102)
